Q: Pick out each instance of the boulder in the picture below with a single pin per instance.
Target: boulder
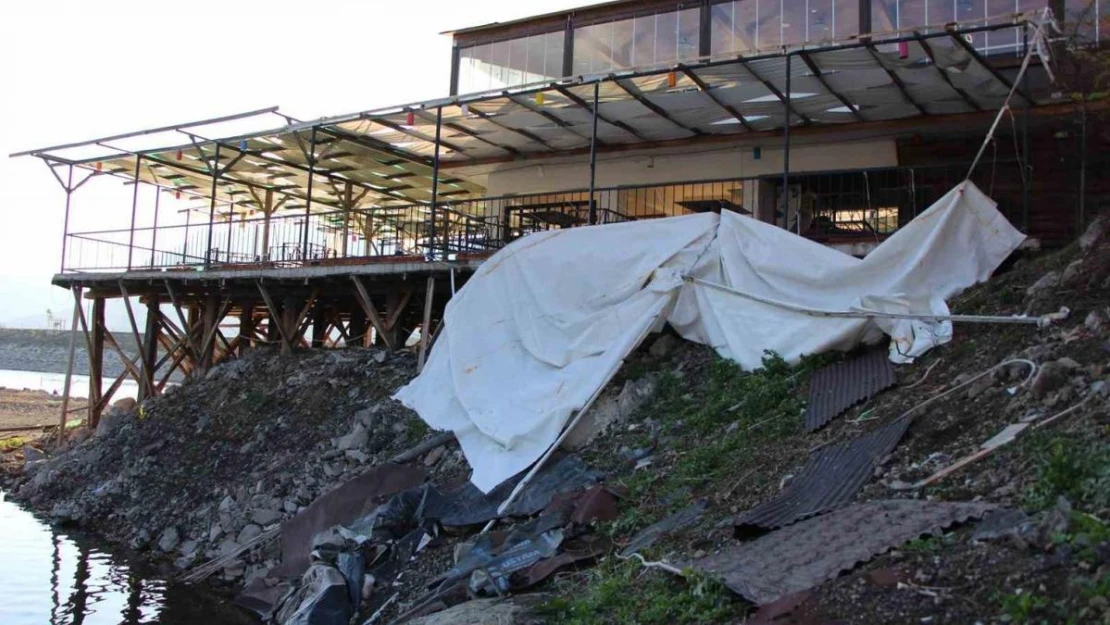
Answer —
(663, 346)
(1051, 376)
(1093, 233)
(356, 439)
(125, 405)
(169, 539)
(609, 410)
(249, 532)
(1047, 282)
(265, 517)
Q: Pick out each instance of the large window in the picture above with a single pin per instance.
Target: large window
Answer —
(746, 26)
(637, 42)
(931, 15)
(511, 63)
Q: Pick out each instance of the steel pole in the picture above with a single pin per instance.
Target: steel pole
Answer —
(212, 206)
(65, 222)
(154, 232)
(786, 157)
(308, 199)
(435, 193)
(134, 208)
(593, 156)
(1027, 169)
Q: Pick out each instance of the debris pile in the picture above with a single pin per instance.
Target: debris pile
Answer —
(967, 487)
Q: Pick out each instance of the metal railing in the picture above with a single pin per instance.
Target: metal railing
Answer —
(831, 206)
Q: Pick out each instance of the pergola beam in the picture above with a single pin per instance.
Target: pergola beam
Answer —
(777, 93)
(896, 80)
(654, 108)
(944, 75)
(549, 116)
(819, 75)
(570, 95)
(705, 89)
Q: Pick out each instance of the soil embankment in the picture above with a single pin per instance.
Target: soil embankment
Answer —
(202, 473)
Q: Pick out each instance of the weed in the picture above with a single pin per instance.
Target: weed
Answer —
(13, 442)
(1022, 607)
(928, 544)
(1079, 471)
(619, 592)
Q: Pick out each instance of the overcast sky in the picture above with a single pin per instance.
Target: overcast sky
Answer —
(75, 69)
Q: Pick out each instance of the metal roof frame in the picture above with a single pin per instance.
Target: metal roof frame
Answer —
(364, 149)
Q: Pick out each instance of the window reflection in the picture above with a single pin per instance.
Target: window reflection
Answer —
(637, 42)
(511, 63)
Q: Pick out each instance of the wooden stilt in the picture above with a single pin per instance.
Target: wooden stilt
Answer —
(320, 326)
(184, 324)
(371, 312)
(96, 362)
(204, 363)
(144, 391)
(69, 363)
(150, 349)
(426, 327)
(356, 328)
(246, 327)
(275, 316)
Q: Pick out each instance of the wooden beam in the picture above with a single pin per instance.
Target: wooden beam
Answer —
(393, 316)
(96, 361)
(425, 329)
(371, 313)
(299, 323)
(136, 374)
(616, 123)
(635, 93)
(150, 349)
(184, 324)
(896, 80)
(212, 323)
(286, 343)
(970, 49)
(816, 71)
(944, 74)
(69, 363)
(778, 94)
(144, 392)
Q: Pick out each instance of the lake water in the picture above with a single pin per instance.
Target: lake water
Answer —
(50, 577)
(55, 382)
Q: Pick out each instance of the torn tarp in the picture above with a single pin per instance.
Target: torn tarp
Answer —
(556, 312)
(807, 553)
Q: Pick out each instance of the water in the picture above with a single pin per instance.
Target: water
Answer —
(49, 577)
(55, 382)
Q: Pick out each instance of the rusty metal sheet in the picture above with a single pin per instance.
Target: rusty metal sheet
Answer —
(835, 388)
(807, 553)
(353, 499)
(832, 476)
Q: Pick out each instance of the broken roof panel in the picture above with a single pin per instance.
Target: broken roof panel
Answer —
(806, 554)
(831, 477)
(835, 388)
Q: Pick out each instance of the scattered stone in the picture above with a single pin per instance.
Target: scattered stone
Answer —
(1100, 388)
(1093, 233)
(188, 547)
(1094, 321)
(357, 455)
(215, 532)
(356, 439)
(1068, 363)
(1051, 376)
(1047, 282)
(234, 569)
(1072, 271)
(30, 454)
(434, 456)
(169, 539)
(663, 346)
(249, 532)
(265, 517)
(185, 562)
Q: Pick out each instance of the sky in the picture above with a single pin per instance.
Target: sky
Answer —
(72, 70)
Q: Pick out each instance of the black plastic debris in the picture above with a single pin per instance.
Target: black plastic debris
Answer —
(321, 599)
(647, 536)
(353, 567)
(837, 387)
(492, 559)
(807, 553)
(832, 476)
(466, 505)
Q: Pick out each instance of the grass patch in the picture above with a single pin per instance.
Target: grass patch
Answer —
(13, 442)
(623, 592)
(1078, 470)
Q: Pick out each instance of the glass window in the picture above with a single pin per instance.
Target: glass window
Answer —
(845, 19)
(794, 22)
(511, 63)
(819, 22)
(884, 16)
(768, 15)
(637, 42)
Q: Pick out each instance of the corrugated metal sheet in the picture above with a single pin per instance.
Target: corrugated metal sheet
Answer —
(835, 388)
(806, 554)
(832, 476)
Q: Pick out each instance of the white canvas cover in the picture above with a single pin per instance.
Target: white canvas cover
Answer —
(544, 322)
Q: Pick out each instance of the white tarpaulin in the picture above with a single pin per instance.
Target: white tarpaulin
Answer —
(544, 322)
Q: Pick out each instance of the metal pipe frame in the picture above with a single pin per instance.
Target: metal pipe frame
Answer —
(134, 209)
(593, 158)
(786, 155)
(311, 154)
(435, 190)
(215, 167)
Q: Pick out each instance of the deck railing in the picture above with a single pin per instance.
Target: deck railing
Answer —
(864, 205)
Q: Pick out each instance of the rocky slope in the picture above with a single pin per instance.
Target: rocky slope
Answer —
(214, 463)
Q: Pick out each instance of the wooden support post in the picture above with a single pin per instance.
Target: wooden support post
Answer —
(395, 304)
(211, 303)
(69, 363)
(275, 319)
(144, 392)
(426, 327)
(246, 327)
(150, 349)
(320, 326)
(356, 328)
(96, 361)
(371, 312)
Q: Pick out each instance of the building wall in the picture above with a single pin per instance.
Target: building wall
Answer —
(706, 163)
